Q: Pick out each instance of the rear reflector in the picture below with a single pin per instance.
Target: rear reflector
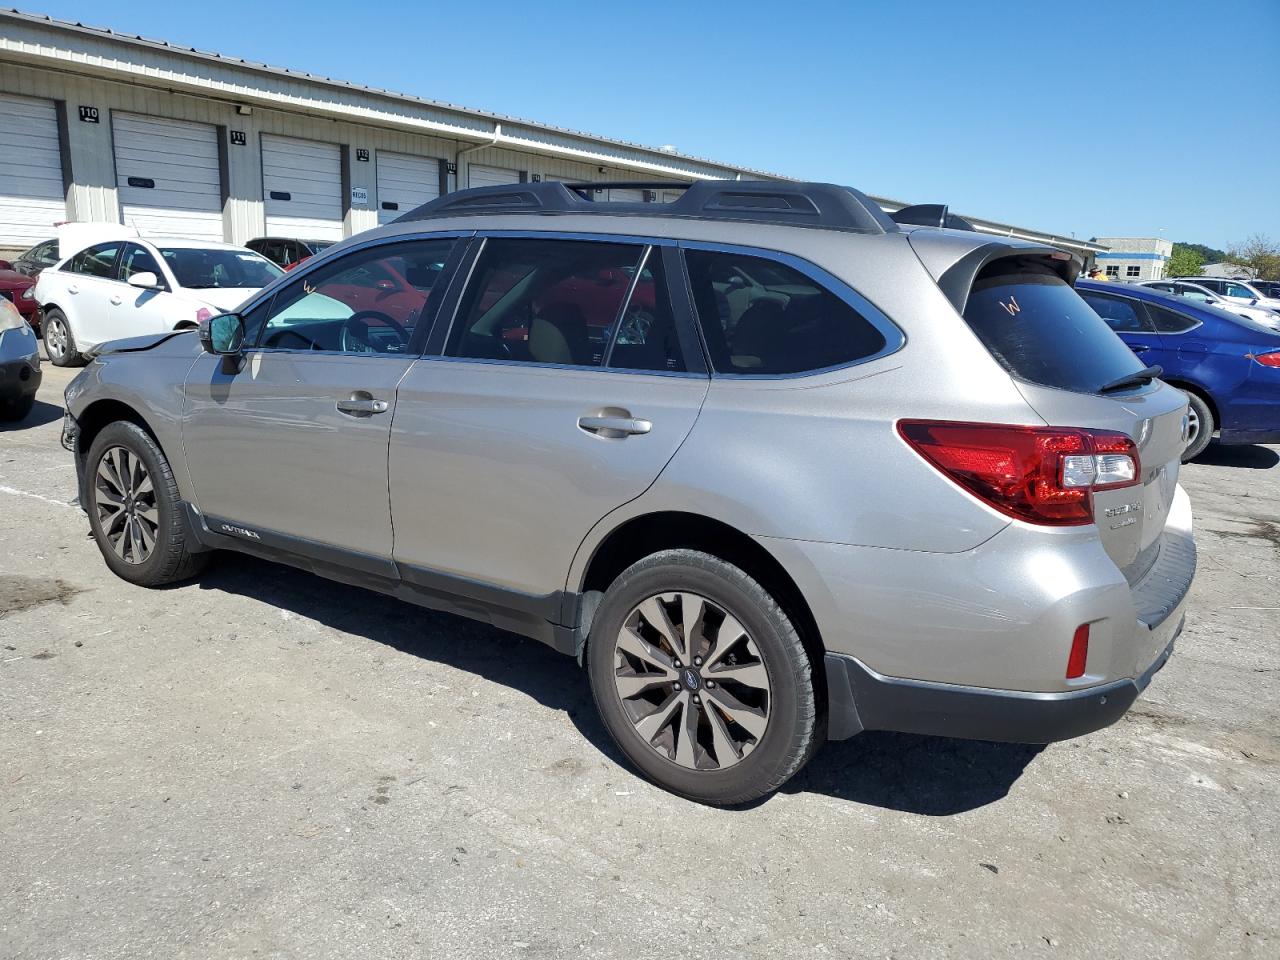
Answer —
(1044, 475)
(1079, 652)
(1268, 359)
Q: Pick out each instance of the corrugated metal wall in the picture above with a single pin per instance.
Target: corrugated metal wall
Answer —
(94, 194)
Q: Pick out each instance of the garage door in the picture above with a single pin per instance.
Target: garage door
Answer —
(405, 182)
(167, 176)
(626, 195)
(302, 188)
(31, 197)
(478, 175)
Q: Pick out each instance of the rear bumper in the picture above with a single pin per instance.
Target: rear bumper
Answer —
(861, 699)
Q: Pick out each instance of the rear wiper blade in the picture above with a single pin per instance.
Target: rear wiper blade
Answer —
(1145, 375)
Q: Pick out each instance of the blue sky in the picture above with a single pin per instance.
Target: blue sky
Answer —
(1105, 118)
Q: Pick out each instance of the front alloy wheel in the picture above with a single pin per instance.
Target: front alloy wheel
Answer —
(125, 500)
(691, 681)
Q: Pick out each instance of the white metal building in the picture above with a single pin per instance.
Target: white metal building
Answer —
(1134, 258)
(179, 142)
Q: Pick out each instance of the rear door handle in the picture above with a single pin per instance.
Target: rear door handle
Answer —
(1139, 347)
(361, 406)
(73, 289)
(115, 301)
(614, 428)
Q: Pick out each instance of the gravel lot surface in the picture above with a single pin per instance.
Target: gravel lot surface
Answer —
(266, 764)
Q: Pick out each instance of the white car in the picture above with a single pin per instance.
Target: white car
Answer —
(1202, 294)
(129, 286)
(1238, 291)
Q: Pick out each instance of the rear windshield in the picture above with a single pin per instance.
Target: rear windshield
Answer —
(202, 268)
(1040, 330)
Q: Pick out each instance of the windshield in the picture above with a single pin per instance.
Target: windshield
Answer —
(1040, 330)
(209, 268)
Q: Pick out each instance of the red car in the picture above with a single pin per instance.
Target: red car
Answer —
(12, 287)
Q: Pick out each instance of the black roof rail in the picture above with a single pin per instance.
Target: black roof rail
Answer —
(595, 186)
(824, 205)
(931, 215)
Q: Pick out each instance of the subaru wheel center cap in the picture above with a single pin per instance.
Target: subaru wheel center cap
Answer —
(691, 679)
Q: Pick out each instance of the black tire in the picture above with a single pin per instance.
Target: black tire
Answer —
(792, 733)
(12, 411)
(1206, 426)
(169, 560)
(59, 355)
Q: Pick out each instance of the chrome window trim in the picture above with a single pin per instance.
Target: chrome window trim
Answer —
(894, 337)
(526, 234)
(568, 367)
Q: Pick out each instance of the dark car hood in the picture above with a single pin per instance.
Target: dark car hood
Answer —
(138, 344)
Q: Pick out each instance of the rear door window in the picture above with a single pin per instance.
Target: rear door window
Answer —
(762, 317)
(97, 261)
(1040, 330)
(550, 301)
(1121, 315)
(1169, 321)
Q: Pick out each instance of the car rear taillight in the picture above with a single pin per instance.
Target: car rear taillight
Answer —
(203, 314)
(1271, 359)
(1079, 655)
(1043, 475)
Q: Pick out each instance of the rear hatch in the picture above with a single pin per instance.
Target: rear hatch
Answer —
(1072, 370)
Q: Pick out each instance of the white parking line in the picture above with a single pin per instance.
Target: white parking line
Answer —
(36, 496)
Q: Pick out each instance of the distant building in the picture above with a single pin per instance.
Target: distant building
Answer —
(1232, 270)
(1134, 258)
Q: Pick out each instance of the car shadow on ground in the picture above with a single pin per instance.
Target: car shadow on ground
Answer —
(1251, 456)
(931, 776)
(41, 413)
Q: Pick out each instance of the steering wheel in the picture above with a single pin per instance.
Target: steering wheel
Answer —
(351, 340)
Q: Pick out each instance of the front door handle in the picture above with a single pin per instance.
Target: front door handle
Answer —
(115, 301)
(361, 404)
(615, 427)
(1139, 347)
(73, 289)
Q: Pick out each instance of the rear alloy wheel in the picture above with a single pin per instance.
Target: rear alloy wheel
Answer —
(705, 703)
(701, 678)
(59, 344)
(1200, 427)
(134, 508)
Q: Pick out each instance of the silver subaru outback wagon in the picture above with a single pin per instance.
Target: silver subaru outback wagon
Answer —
(775, 467)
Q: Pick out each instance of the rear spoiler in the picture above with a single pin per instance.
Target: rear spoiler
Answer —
(930, 215)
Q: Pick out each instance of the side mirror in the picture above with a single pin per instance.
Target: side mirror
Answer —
(223, 334)
(144, 279)
(5, 265)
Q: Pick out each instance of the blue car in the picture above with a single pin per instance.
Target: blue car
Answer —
(1228, 365)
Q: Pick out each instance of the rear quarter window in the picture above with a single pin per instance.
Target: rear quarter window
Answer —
(761, 317)
(1040, 330)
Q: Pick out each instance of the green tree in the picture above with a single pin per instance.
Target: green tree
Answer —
(1208, 254)
(1185, 262)
(1259, 255)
